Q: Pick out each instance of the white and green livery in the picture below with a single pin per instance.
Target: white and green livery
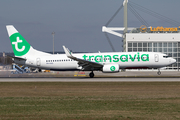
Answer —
(107, 62)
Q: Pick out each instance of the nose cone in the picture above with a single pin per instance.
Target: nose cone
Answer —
(173, 60)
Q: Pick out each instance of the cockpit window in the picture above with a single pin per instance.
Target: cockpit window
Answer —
(165, 56)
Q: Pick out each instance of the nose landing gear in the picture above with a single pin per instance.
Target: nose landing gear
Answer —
(159, 72)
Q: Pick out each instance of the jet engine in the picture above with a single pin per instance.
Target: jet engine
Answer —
(109, 68)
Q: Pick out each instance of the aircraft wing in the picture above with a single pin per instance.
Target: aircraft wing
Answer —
(84, 63)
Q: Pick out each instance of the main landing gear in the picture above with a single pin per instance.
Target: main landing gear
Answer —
(159, 72)
(91, 74)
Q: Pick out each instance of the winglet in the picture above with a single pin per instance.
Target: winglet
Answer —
(66, 50)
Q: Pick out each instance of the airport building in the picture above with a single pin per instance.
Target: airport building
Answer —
(149, 39)
(159, 39)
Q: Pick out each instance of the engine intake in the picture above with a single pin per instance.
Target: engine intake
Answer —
(109, 68)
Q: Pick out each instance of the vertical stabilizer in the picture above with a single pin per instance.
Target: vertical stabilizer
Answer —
(19, 44)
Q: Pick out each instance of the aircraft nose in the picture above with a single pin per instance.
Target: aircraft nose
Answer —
(173, 60)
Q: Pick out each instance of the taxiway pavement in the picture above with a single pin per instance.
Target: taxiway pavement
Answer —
(75, 76)
(73, 79)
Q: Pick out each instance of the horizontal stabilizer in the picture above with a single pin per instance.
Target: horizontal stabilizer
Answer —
(19, 58)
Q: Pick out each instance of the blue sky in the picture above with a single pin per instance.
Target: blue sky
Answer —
(77, 23)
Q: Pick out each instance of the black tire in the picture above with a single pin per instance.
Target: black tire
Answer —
(159, 73)
(40, 70)
(91, 75)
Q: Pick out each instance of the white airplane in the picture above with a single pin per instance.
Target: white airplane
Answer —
(107, 62)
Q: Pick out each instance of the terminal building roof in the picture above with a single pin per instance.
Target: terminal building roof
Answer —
(156, 30)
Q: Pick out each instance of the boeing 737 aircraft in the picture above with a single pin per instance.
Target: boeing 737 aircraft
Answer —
(107, 62)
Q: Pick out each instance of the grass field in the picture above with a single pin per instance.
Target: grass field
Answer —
(87, 101)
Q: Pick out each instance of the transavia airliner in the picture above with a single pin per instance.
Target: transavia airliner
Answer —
(107, 62)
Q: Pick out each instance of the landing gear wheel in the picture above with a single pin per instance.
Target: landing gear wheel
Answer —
(159, 72)
(39, 70)
(91, 74)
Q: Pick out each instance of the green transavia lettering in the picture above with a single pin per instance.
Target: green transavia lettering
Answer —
(117, 58)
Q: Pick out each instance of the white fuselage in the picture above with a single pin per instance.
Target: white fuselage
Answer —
(125, 60)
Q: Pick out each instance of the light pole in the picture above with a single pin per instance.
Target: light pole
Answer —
(125, 24)
(53, 33)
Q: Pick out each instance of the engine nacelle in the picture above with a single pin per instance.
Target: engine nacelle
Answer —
(109, 68)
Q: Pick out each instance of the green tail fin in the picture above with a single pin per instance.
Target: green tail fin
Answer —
(19, 44)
